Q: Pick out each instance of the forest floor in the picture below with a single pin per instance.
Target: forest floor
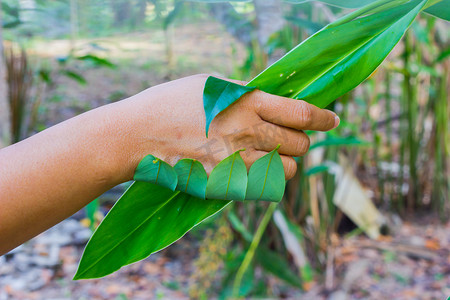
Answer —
(412, 263)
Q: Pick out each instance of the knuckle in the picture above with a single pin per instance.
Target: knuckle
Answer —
(303, 144)
(290, 168)
(255, 102)
(305, 113)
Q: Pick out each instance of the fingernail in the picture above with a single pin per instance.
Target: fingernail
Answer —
(336, 121)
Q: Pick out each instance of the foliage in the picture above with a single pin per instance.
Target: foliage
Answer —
(359, 41)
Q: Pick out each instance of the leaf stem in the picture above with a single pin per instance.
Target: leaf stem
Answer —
(252, 249)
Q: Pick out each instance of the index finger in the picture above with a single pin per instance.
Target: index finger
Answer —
(296, 114)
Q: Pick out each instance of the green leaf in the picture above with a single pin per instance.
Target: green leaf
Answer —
(440, 10)
(218, 94)
(75, 76)
(97, 61)
(12, 11)
(239, 226)
(316, 170)
(339, 3)
(146, 219)
(277, 265)
(443, 55)
(45, 75)
(303, 23)
(339, 141)
(192, 177)
(228, 180)
(12, 24)
(266, 178)
(91, 209)
(154, 170)
(339, 57)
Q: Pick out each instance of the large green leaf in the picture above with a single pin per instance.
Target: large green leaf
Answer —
(266, 178)
(339, 3)
(332, 61)
(228, 180)
(323, 67)
(440, 10)
(146, 219)
(154, 170)
(218, 94)
(337, 58)
(192, 177)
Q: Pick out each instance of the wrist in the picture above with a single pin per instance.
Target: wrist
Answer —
(130, 124)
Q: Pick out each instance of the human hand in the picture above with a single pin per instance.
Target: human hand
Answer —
(168, 121)
(59, 170)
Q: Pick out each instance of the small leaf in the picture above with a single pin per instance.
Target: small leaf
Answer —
(75, 76)
(44, 74)
(218, 94)
(266, 179)
(228, 180)
(339, 141)
(192, 177)
(98, 61)
(154, 170)
(316, 170)
(91, 209)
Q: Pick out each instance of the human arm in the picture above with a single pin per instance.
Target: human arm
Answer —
(48, 177)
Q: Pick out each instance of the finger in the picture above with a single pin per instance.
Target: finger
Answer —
(289, 163)
(296, 114)
(293, 142)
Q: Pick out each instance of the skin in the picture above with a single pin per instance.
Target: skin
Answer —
(51, 175)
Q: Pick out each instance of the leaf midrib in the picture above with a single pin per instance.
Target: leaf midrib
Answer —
(351, 53)
(157, 173)
(189, 176)
(229, 177)
(265, 178)
(129, 234)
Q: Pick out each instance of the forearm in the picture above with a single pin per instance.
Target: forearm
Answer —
(53, 174)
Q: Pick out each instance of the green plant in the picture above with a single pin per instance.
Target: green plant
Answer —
(325, 66)
(20, 80)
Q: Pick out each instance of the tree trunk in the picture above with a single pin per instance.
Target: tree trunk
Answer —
(5, 132)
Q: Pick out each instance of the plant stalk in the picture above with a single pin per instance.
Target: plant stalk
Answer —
(252, 249)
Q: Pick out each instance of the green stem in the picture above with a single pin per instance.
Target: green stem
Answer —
(388, 103)
(252, 249)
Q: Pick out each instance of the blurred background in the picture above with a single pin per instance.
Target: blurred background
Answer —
(366, 216)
